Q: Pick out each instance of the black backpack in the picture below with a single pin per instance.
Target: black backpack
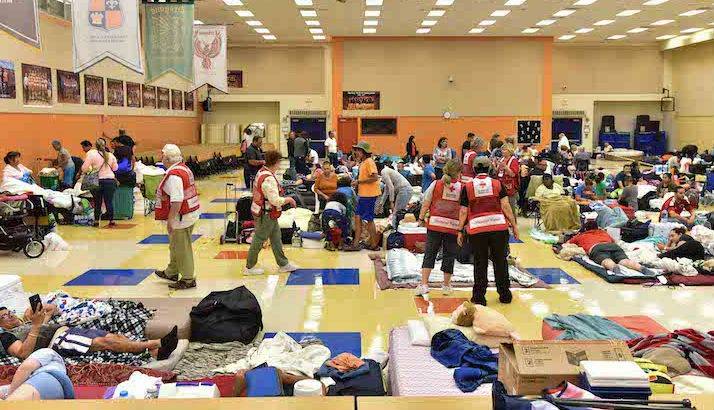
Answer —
(643, 204)
(227, 316)
(634, 230)
(243, 208)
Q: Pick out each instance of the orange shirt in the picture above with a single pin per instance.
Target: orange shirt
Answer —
(371, 189)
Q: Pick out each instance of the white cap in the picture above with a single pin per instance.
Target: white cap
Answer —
(171, 150)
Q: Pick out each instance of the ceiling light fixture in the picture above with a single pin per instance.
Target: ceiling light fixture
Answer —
(444, 2)
(312, 22)
(429, 23)
(244, 13)
(627, 13)
(530, 30)
(500, 13)
(270, 37)
(436, 13)
(368, 30)
(262, 30)
(691, 30)
(584, 2)
(564, 13)
(515, 2)
(638, 30)
(545, 22)
(487, 22)
(603, 22)
(423, 30)
(233, 2)
(477, 30)
(617, 37)
(654, 2)
(584, 30)
(371, 22)
(316, 31)
(567, 37)
(195, 22)
(691, 13)
(308, 13)
(318, 37)
(662, 22)
(303, 2)
(372, 13)
(254, 23)
(373, 2)
(666, 37)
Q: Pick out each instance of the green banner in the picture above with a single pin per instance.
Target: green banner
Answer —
(169, 40)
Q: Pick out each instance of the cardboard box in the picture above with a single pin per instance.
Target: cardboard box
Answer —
(529, 366)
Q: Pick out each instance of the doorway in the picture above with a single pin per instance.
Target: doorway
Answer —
(316, 129)
(347, 133)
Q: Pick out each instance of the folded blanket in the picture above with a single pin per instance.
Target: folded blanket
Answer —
(561, 214)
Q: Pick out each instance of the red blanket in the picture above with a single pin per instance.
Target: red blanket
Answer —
(696, 346)
(96, 374)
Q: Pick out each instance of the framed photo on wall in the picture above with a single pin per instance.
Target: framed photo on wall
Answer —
(133, 95)
(529, 131)
(176, 100)
(7, 79)
(148, 95)
(235, 78)
(360, 100)
(115, 92)
(36, 85)
(68, 89)
(93, 90)
(188, 101)
(163, 98)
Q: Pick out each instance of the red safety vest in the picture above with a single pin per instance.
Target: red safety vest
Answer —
(485, 214)
(510, 182)
(444, 208)
(190, 195)
(467, 169)
(260, 204)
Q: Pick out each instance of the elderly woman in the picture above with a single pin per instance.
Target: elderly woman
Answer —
(65, 163)
(42, 376)
(325, 183)
(14, 169)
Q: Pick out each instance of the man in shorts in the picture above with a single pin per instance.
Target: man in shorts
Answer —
(368, 190)
(603, 250)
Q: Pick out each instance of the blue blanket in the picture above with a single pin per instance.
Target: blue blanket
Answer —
(475, 364)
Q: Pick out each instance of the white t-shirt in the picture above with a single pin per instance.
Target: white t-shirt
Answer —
(315, 158)
(174, 189)
(248, 139)
(331, 145)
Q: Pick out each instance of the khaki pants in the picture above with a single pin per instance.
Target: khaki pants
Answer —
(181, 254)
(266, 229)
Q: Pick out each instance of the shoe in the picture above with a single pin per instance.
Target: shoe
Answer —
(162, 274)
(183, 284)
(288, 268)
(446, 289)
(505, 297)
(112, 223)
(253, 271)
(421, 290)
(479, 300)
(617, 270)
(168, 344)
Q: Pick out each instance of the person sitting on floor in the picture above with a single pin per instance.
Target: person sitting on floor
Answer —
(674, 207)
(549, 189)
(628, 196)
(335, 221)
(667, 185)
(620, 177)
(42, 376)
(681, 245)
(602, 249)
(20, 339)
(585, 192)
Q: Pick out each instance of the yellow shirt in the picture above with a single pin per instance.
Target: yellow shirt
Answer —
(366, 169)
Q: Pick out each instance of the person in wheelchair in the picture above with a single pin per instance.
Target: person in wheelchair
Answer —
(15, 170)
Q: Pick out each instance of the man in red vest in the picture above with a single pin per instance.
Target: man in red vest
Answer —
(179, 206)
(485, 216)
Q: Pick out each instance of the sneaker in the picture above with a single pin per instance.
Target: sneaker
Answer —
(505, 297)
(479, 300)
(162, 274)
(421, 290)
(446, 289)
(288, 268)
(253, 271)
(183, 284)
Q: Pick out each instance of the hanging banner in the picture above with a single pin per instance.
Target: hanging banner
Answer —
(210, 57)
(106, 29)
(169, 40)
(19, 18)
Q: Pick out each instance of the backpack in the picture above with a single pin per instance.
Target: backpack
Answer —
(643, 204)
(243, 208)
(226, 316)
(395, 240)
(634, 230)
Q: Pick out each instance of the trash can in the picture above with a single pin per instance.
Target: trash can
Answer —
(124, 203)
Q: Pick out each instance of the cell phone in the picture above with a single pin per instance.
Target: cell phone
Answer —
(35, 302)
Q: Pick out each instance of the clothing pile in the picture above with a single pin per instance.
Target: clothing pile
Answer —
(475, 364)
(588, 327)
(697, 347)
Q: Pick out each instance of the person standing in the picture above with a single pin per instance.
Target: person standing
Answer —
(467, 144)
(247, 140)
(331, 148)
(254, 161)
(86, 146)
(65, 163)
(412, 151)
(508, 173)
(493, 144)
(302, 149)
(442, 155)
(104, 163)
(467, 168)
(397, 188)
(429, 174)
(485, 214)
(442, 200)
(368, 191)
(266, 209)
(291, 148)
(179, 206)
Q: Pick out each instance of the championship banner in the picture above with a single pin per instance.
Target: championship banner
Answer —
(106, 29)
(19, 18)
(210, 57)
(169, 39)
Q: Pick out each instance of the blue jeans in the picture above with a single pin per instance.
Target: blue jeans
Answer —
(52, 385)
(105, 194)
(68, 177)
(401, 200)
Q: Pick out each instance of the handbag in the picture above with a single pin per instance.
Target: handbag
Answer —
(90, 181)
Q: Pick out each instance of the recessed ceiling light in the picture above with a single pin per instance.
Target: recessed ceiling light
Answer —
(312, 22)
(638, 30)
(318, 37)
(566, 37)
(617, 37)
(367, 30)
(530, 30)
(316, 31)
(372, 13)
(308, 13)
(691, 30)
(197, 22)
(666, 37)
(303, 2)
(429, 23)
(477, 30)
(373, 2)
(584, 2)
(584, 30)
(515, 2)
(487, 22)
(564, 13)
(262, 30)
(423, 30)
(662, 22)
(545, 22)
(603, 22)
(254, 23)
(500, 13)
(654, 2)
(692, 12)
(371, 22)
(628, 13)
(270, 37)
(444, 2)
(244, 13)
(233, 2)
(436, 13)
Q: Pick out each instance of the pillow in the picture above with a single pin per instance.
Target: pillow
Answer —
(491, 323)
(463, 315)
(418, 335)
(436, 324)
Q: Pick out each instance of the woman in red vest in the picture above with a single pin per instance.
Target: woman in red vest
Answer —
(442, 200)
(507, 171)
(485, 214)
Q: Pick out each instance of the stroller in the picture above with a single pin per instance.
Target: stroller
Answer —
(15, 235)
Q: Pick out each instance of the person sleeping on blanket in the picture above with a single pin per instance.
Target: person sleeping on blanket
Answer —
(681, 245)
(20, 338)
(603, 250)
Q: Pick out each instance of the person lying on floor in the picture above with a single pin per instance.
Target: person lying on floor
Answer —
(681, 245)
(674, 207)
(42, 376)
(20, 339)
(603, 250)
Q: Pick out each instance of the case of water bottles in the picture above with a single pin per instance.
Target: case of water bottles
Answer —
(189, 390)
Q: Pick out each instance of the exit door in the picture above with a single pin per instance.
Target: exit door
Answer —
(347, 133)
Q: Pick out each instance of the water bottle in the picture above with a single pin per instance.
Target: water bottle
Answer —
(297, 239)
(152, 392)
(123, 394)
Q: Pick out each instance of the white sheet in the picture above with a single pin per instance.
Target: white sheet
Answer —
(62, 200)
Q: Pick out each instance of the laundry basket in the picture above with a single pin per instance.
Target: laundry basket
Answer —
(151, 184)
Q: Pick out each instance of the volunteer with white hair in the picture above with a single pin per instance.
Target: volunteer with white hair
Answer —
(179, 206)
